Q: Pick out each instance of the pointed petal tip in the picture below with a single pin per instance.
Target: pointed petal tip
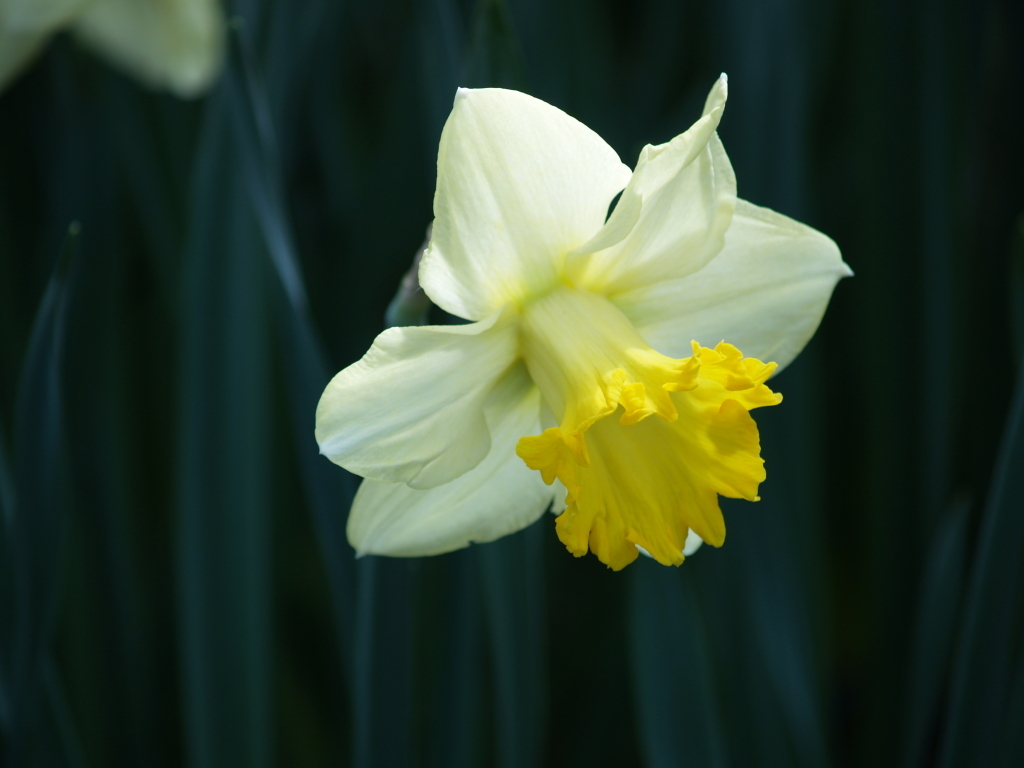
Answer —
(717, 96)
(460, 93)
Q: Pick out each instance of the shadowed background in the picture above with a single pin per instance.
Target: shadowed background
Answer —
(175, 583)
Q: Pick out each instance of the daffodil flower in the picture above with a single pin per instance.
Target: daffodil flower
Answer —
(594, 363)
(174, 45)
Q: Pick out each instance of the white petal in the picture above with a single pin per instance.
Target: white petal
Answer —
(764, 293)
(17, 51)
(412, 410)
(497, 497)
(519, 184)
(686, 191)
(25, 25)
(172, 44)
(24, 16)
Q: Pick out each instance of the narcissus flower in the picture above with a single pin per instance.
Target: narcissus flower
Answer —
(174, 45)
(594, 364)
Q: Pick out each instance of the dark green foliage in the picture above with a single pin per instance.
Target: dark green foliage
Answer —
(176, 587)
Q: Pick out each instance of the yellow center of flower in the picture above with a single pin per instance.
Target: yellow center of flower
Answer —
(637, 481)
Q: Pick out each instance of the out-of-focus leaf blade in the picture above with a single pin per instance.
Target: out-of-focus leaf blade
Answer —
(780, 629)
(512, 579)
(677, 699)
(990, 644)
(1017, 285)
(60, 722)
(941, 588)
(450, 649)
(34, 515)
(494, 60)
(1012, 749)
(7, 582)
(329, 490)
(383, 673)
(223, 557)
(141, 136)
(441, 50)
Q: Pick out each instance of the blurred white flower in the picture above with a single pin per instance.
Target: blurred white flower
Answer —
(607, 333)
(174, 45)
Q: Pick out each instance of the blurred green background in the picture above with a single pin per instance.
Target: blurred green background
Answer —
(175, 584)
